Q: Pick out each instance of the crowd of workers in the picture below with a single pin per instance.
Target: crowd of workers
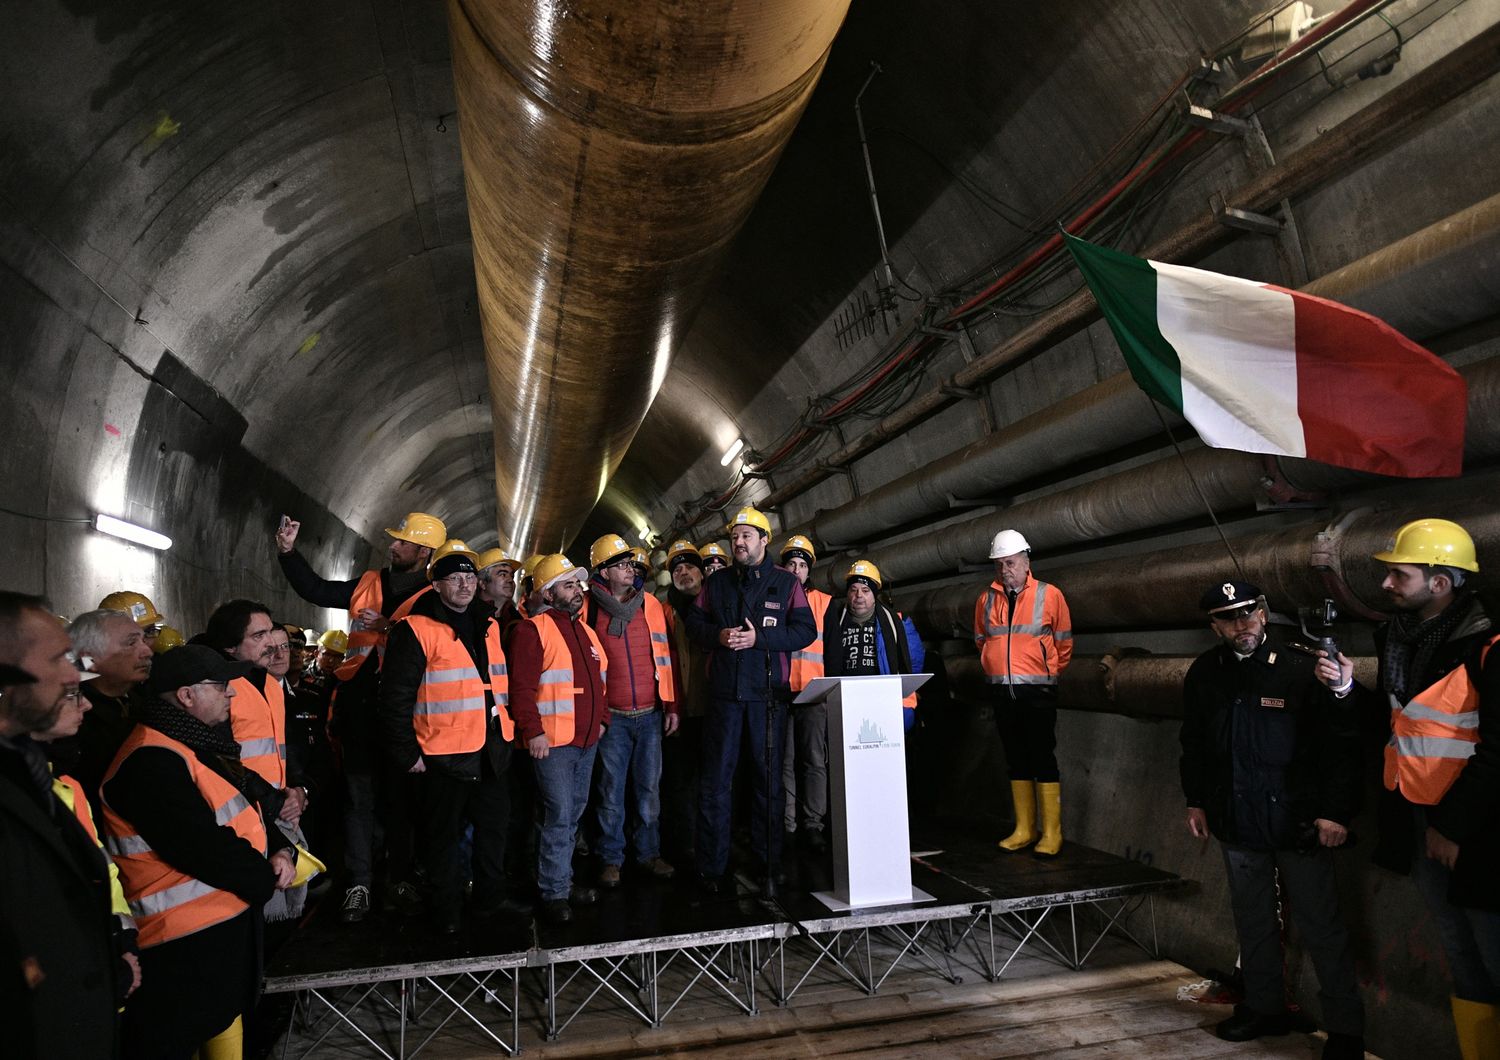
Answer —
(485, 721)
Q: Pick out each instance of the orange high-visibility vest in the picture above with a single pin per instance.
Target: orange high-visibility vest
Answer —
(555, 690)
(807, 663)
(1433, 736)
(661, 649)
(449, 714)
(364, 641)
(168, 904)
(1030, 652)
(258, 720)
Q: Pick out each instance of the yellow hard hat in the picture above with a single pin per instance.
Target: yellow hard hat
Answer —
(307, 867)
(750, 517)
(528, 568)
(167, 638)
(552, 568)
(641, 558)
(683, 548)
(1431, 542)
(448, 548)
(335, 640)
(713, 548)
(606, 548)
(492, 556)
(798, 543)
(863, 568)
(421, 529)
(136, 605)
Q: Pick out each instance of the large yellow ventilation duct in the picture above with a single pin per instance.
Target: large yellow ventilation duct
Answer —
(611, 152)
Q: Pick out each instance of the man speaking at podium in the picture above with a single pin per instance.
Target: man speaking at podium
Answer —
(750, 618)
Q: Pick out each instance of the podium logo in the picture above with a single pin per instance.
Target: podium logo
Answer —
(870, 737)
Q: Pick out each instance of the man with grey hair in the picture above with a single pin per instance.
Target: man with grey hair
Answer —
(62, 982)
(111, 644)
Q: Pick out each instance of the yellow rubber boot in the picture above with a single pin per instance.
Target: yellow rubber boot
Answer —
(1478, 1027)
(1023, 799)
(228, 1044)
(1051, 799)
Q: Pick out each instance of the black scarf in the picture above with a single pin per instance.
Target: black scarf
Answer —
(214, 746)
(1410, 643)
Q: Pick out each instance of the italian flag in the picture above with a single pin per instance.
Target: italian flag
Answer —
(1259, 368)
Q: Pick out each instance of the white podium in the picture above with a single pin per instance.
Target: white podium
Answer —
(867, 782)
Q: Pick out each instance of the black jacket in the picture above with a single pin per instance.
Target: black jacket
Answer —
(401, 676)
(1470, 813)
(58, 972)
(1266, 748)
(773, 601)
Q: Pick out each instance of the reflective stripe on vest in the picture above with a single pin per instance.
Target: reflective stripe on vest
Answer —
(661, 648)
(169, 904)
(1017, 653)
(1433, 736)
(258, 720)
(555, 690)
(448, 715)
(807, 663)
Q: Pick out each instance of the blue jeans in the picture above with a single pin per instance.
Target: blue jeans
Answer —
(725, 724)
(562, 781)
(630, 749)
(1470, 937)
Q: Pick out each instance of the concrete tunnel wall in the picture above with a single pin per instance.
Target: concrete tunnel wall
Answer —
(235, 281)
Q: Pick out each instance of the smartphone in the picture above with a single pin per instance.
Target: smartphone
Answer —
(286, 521)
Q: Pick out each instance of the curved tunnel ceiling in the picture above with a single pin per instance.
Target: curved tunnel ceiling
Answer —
(277, 193)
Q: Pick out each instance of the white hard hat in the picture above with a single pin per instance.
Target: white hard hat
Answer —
(1008, 543)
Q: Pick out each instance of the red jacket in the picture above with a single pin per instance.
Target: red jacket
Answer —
(590, 709)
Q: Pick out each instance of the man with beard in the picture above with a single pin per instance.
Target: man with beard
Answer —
(1439, 815)
(1270, 767)
(557, 669)
(61, 979)
(444, 705)
(113, 646)
(682, 756)
(805, 772)
(750, 619)
(374, 600)
(632, 626)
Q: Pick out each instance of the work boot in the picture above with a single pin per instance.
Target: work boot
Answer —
(1478, 1028)
(557, 910)
(356, 904)
(814, 840)
(610, 877)
(583, 895)
(656, 868)
(1246, 1025)
(1052, 840)
(403, 898)
(1023, 799)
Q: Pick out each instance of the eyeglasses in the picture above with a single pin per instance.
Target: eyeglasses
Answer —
(222, 686)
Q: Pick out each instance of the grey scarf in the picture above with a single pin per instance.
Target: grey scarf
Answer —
(620, 615)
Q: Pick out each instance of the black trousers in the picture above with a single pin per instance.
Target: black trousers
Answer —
(1312, 893)
(1028, 732)
(681, 774)
(448, 804)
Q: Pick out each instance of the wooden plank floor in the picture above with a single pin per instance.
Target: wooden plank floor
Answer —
(1123, 1007)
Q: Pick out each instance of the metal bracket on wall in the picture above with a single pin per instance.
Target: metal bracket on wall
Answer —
(1245, 220)
(1212, 120)
(977, 502)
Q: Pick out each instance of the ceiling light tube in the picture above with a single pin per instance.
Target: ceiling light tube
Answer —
(732, 452)
(108, 524)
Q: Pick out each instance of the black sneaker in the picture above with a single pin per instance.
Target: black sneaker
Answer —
(814, 840)
(356, 904)
(403, 898)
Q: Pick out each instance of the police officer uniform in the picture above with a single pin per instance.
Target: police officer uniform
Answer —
(1267, 750)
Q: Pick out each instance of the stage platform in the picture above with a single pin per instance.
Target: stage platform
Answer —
(389, 986)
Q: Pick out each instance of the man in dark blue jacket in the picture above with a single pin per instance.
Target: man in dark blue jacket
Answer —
(750, 618)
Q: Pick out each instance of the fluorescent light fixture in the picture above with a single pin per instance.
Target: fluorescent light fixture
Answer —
(732, 452)
(108, 524)
(645, 533)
